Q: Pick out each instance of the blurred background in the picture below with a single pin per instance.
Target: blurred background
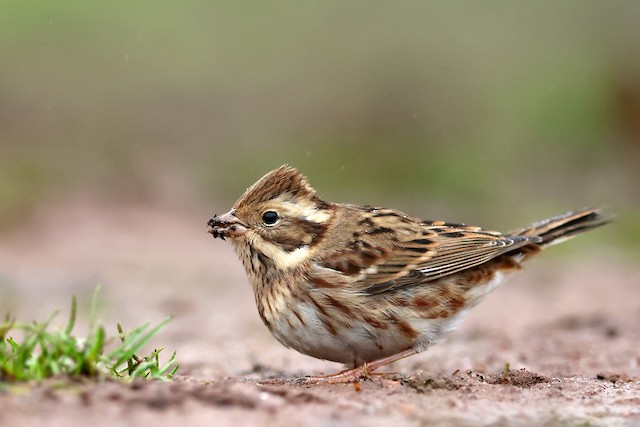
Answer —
(125, 125)
(491, 112)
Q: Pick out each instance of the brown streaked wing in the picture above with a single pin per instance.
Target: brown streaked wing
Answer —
(413, 252)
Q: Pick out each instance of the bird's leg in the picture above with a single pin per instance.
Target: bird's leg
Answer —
(359, 372)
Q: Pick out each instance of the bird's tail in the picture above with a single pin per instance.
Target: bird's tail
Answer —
(562, 227)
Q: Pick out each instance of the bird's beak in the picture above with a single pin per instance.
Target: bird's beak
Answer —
(227, 225)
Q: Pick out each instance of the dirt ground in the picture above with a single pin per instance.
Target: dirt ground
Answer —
(558, 344)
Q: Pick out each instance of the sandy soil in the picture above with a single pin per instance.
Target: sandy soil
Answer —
(556, 345)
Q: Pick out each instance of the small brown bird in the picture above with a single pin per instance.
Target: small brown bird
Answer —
(366, 286)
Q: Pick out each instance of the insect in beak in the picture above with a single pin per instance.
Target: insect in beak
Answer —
(227, 225)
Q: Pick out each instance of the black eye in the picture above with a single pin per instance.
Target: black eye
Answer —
(269, 217)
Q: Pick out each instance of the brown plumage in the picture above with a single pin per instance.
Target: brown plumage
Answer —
(362, 285)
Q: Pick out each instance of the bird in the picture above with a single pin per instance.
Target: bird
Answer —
(363, 285)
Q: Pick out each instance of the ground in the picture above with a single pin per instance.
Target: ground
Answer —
(555, 345)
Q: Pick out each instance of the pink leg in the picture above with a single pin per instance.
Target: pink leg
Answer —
(362, 371)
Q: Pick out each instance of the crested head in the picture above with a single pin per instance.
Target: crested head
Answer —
(284, 183)
(282, 218)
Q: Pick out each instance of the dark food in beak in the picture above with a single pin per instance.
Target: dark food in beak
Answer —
(214, 223)
(227, 225)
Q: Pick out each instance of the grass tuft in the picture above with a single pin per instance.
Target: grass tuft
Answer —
(44, 352)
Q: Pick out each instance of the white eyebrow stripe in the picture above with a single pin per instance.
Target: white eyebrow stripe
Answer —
(306, 210)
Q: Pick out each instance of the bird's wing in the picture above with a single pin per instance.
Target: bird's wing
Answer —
(393, 250)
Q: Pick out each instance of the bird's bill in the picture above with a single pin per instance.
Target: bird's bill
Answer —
(227, 225)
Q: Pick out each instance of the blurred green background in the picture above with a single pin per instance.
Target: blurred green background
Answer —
(498, 113)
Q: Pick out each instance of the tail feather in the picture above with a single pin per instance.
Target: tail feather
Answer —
(562, 227)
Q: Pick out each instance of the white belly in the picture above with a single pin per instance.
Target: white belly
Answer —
(361, 342)
(352, 345)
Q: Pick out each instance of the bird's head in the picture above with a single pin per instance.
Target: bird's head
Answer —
(280, 215)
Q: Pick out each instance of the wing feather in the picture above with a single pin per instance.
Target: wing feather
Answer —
(405, 251)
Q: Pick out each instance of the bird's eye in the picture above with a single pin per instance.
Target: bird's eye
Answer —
(269, 217)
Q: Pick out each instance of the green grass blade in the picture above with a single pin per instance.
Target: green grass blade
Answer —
(134, 342)
(89, 360)
(5, 327)
(166, 367)
(72, 316)
(44, 351)
(15, 347)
